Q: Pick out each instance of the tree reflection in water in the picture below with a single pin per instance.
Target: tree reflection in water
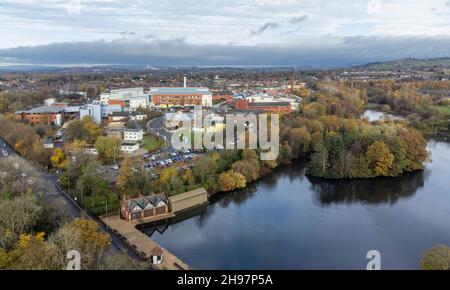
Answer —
(372, 191)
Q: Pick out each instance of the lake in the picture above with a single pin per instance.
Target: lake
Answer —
(290, 221)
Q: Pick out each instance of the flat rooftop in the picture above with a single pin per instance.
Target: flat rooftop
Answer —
(179, 91)
(43, 110)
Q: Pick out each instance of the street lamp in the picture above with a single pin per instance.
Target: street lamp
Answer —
(106, 211)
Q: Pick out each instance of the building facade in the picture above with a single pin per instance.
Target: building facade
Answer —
(272, 107)
(180, 97)
(43, 115)
(129, 147)
(126, 98)
(93, 110)
(134, 135)
(144, 207)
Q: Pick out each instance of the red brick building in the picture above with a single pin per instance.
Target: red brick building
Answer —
(144, 207)
(181, 97)
(222, 97)
(121, 103)
(273, 107)
(43, 115)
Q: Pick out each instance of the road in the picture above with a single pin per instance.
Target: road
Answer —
(7, 148)
(156, 127)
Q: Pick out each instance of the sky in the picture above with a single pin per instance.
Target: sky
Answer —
(225, 32)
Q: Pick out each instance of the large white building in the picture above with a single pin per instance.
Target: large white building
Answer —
(94, 110)
(97, 111)
(265, 98)
(127, 98)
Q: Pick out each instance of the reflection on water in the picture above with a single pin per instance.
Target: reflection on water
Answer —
(373, 191)
(291, 221)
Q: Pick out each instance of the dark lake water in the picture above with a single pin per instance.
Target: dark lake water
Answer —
(290, 221)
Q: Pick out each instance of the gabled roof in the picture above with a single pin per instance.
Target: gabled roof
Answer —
(143, 202)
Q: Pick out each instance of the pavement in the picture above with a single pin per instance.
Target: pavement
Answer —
(144, 244)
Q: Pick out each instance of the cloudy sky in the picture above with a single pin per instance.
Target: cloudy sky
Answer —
(225, 32)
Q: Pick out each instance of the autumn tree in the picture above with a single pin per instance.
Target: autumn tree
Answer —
(33, 253)
(133, 179)
(19, 215)
(203, 168)
(58, 158)
(84, 236)
(226, 182)
(108, 147)
(438, 258)
(380, 158)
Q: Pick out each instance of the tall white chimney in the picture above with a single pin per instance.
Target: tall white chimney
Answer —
(184, 81)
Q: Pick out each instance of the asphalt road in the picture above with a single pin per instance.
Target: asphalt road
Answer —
(7, 148)
(155, 126)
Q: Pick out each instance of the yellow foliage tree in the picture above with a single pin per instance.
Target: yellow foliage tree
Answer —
(58, 158)
(380, 158)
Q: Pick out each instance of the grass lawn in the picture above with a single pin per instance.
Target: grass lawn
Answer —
(150, 143)
(373, 106)
(445, 110)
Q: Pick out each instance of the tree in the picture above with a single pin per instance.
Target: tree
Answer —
(133, 178)
(58, 158)
(319, 162)
(248, 168)
(380, 158)
(33, 253)
(438, 258)
(188, 177)
(85, 129)
(76, 145)
(239, 179)
(204, 168)
(84, 236)
(300, 141)
(121, 261)
(18, 177)
(415, 146)
(18, 216)
(108, 147)
(226, 182)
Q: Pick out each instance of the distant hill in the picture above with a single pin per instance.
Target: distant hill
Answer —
(409, 63)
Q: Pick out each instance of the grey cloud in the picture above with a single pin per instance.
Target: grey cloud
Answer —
(125, 33)
(299, 19)
(265, 27)
(337, 52)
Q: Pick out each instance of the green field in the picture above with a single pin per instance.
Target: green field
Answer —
(151, 143)
(445, 110)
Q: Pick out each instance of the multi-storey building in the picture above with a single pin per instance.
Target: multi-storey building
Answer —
(43, 115)
(127, 98)
(273, 107)
(168, 97)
